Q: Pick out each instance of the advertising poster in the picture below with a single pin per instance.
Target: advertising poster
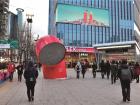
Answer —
(82, 15)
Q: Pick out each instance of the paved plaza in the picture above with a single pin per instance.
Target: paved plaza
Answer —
(88, 91)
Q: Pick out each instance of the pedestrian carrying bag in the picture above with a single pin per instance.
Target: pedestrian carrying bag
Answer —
(32, 75)
(78, 67)
(125, 74)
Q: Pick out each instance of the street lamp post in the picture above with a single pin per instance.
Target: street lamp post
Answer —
(29, 38)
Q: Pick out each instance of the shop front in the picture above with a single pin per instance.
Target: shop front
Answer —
(119, 57)
(120, 54)
(74, 54)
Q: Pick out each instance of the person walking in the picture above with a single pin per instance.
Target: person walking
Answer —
(78, 69)
(107, 69)
(125, 79)
(30, 75)
(94, 67)
(11, 69)
(84, 68)
(19, 71)
(137, 71)
(103, 69)
(131, 67)
(113, 72)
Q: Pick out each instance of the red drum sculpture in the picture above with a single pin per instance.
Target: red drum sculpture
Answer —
(50, 53)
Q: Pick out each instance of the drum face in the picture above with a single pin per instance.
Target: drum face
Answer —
(52, 53)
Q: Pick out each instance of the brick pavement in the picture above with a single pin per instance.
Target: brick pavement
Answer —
(88, 91)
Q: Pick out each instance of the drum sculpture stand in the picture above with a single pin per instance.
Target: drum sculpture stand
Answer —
(50, 53)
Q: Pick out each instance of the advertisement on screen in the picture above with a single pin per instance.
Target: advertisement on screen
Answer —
(82, 15)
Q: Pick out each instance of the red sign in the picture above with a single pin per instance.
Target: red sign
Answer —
(79, 49)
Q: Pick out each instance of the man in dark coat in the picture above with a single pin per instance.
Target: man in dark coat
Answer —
(94, 67)
(103, 68)
(113, 72)
(30, 76)
(108, 69)
(20, 71)
(125, 79)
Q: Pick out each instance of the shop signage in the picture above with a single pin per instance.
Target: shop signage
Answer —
(79, 49)
(4, 45)
(9, 44)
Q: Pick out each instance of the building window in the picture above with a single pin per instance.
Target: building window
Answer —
(103, 34)
(82, 35)
(127, 35)
(100, 35)
(70, 34)
(74, 35)
(74, 1)
(107, 35)
(131, 33)
(86, 36)
(130, 6)
(127, 9)
(97, 35)
(92, 3)
(78, 35)
(78, 2)
(121, 3)
(60, 1)
(66, 35)
(93, 35)
(66, 1)
(89, 36)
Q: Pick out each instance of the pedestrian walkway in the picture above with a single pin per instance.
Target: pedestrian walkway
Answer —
(88, 91)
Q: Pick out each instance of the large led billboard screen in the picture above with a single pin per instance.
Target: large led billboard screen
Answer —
(82, 15)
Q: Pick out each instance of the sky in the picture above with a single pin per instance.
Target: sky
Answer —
(39, 8)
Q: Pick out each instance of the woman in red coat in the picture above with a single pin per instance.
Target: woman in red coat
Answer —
(137, 72)
(11, 69)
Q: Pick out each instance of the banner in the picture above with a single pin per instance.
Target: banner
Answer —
(80, 49)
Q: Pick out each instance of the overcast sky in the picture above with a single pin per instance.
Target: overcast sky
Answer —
(39, 8)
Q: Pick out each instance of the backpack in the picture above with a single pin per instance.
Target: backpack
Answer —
(32, 75)
(78, 67)
(113, 69)
(125, 74)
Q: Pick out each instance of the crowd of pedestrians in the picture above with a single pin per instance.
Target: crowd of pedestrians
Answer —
(112, 70)
(123, 70)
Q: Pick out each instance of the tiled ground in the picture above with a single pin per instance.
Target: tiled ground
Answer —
(88, 91)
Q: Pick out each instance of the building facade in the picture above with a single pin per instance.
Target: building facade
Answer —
(4, 8)
(137, 27)
(107, 25)
(12, 26)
